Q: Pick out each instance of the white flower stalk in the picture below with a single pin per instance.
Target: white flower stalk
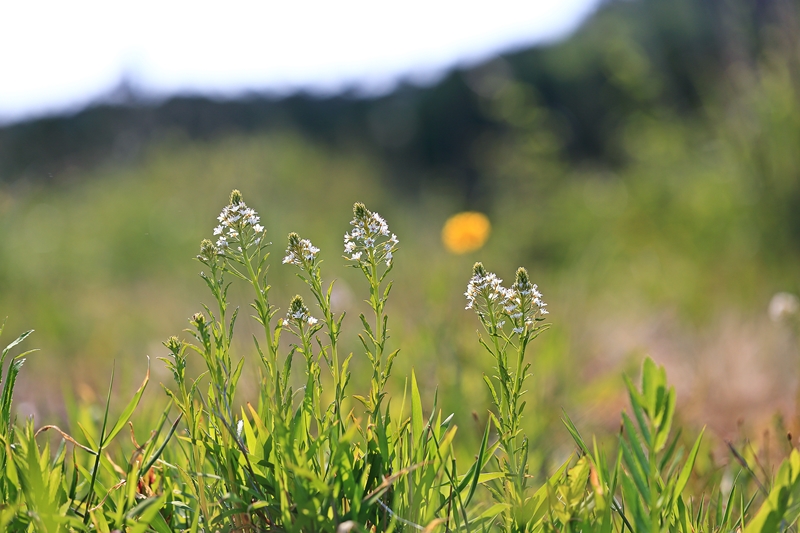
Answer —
(487, 296)
(370, 239)
(238, 224)
(523, 304)
(300, 252)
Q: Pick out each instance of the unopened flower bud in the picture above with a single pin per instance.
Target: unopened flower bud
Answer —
(297, 306)
(198, 320)
(478, 270)
(236, 197)
(522, 277)
(207, 250)
(173, 344)
(360, 211)
(299, 314)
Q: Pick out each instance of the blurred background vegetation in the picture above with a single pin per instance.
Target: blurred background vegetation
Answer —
(646, 171)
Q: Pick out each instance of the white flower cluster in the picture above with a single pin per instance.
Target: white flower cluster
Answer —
(520, 304)
(369, 237)
(300, 251)
(234, 219)
(487, 285)
(524, 302)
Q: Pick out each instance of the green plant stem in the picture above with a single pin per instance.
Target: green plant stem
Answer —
(266, 317)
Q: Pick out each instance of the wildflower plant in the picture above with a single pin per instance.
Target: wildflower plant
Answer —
(512, 317)
(371, 248)
(303, 461)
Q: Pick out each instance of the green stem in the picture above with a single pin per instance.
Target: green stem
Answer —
(266, 318)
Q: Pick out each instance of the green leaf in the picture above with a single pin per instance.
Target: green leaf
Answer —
(8, 390)
(129, 409)
(635, 445)
(13, 343)
(634, 469)
(576, 436)
(665, 421)
(491, 512)
(477, 466)
(416, 410)
(634, 505)
(782, 503)
(147, 512)
(683, 478)
(637, 405)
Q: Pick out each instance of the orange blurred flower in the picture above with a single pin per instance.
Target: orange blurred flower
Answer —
(466, 232)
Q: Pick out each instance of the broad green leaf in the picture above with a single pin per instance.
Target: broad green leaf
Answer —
(781, 506)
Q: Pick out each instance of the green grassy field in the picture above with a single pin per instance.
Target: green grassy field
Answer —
(673, 248)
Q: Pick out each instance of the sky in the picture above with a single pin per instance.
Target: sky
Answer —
(58, 56)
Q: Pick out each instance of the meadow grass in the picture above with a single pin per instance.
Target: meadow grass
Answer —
(303, 449)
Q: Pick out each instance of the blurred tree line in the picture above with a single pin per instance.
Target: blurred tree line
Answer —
(640, 56)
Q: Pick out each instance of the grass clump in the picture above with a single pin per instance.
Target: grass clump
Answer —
(309, 455)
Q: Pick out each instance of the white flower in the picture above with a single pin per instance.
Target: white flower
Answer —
(258, 228)
(311, 320)
(222, 243)
(311, 251)
(378, 225)
(218, 230)
(356, 256)
(518, 330)
(300, 250)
